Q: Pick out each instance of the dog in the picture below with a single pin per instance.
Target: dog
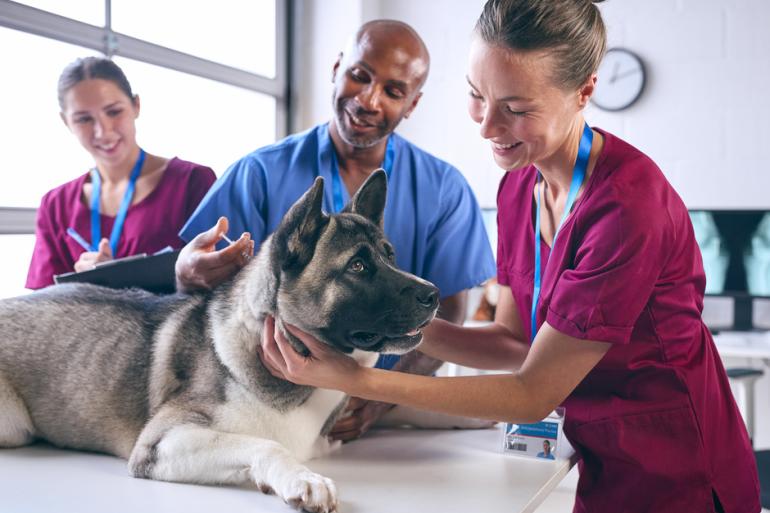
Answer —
(174, 384)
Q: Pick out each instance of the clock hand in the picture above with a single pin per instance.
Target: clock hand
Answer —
(614, 75)
(627, 73)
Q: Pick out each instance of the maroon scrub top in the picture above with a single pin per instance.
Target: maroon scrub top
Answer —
(654, 423)
(150, 225)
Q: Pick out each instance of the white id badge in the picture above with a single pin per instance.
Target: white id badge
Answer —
(542, 440)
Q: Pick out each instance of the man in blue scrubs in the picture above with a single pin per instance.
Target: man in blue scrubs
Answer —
(431, 215)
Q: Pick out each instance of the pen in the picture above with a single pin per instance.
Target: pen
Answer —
(167, 249)
(80, 240)
(245, 253)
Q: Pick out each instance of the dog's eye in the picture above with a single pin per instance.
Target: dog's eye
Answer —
(357, 266)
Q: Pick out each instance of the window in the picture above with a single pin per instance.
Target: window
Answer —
(233, 32)
(196, 118)
(212, 90)
(87, 11)
(38, 150)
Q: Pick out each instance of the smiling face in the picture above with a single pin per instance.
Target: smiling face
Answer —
(377, 83)
(102, 117)
(525, 116)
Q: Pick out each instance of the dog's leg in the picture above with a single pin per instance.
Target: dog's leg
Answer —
(323, 446)
(16, 427)
(192, 452)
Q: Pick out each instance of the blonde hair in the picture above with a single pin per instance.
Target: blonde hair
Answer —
(570, 30)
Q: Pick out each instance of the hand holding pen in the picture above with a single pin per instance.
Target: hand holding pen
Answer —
(201, 266)
(89, 259)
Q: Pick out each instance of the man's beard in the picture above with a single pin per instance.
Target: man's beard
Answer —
(361, 142)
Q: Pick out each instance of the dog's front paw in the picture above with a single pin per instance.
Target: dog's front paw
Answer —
(310, 492)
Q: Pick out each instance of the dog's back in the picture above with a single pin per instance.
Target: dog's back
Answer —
(80, 361)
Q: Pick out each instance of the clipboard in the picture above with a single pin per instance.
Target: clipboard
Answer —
(154, 273)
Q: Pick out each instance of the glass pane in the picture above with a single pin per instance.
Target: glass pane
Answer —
(15, 255)
(38, 150)
(239, 33)
(198, 119)
(88, 11)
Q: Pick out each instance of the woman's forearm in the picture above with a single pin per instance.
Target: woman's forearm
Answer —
(500, 397)
(526, 395)
(491, 347)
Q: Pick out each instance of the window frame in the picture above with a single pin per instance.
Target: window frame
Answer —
(103, 39)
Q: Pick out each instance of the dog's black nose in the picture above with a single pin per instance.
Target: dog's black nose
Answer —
(428, 298)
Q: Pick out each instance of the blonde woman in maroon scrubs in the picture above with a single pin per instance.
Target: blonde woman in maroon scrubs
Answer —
(616, 335)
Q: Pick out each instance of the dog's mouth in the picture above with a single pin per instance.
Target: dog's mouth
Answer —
(371, 341)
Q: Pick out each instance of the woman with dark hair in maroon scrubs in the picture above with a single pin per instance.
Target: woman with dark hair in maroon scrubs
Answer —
(592, 234)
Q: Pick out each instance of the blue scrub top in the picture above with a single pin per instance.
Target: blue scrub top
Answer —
(432, 217)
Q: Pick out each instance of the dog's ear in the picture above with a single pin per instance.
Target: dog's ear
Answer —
(296, 237)
(369, 199)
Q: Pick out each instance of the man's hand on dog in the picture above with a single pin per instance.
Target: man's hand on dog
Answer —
(360, 415)
(201, 266)
(325, 367)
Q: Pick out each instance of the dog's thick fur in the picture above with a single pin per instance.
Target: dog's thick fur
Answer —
(175, 384)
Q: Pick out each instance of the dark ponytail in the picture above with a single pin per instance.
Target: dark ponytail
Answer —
(89, 68)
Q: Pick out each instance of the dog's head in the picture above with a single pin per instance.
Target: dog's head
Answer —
(337, 277)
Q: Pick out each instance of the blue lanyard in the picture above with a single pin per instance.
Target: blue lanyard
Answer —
(387, 165)
(578, 175)
(96, 192)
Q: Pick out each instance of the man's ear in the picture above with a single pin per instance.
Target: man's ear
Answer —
(296, 237)
(336, 67)
(369, 199)
(413, 105)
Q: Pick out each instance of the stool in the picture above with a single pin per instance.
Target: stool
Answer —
(746, 378)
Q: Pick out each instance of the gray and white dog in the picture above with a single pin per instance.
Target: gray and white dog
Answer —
(174, 383)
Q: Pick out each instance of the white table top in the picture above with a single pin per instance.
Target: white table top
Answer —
(743, 344)
(387, 471)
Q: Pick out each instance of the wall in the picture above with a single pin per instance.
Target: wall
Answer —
(323, 27)
(703, 116)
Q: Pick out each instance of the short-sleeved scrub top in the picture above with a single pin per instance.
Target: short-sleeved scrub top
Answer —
(654, 423)
(431, 216)
(150, 225)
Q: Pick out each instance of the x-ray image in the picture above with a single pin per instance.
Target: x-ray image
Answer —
(756, 259)
(716, 257)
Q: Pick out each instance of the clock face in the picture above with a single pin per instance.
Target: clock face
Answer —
(620, 80)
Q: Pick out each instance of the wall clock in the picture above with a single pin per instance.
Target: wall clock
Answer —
(620, 80)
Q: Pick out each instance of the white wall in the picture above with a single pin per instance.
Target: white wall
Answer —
(704, 117)
(440, 124)
(323, 29)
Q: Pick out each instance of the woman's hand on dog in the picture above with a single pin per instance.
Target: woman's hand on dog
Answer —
(201, 266)
(325, 367)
